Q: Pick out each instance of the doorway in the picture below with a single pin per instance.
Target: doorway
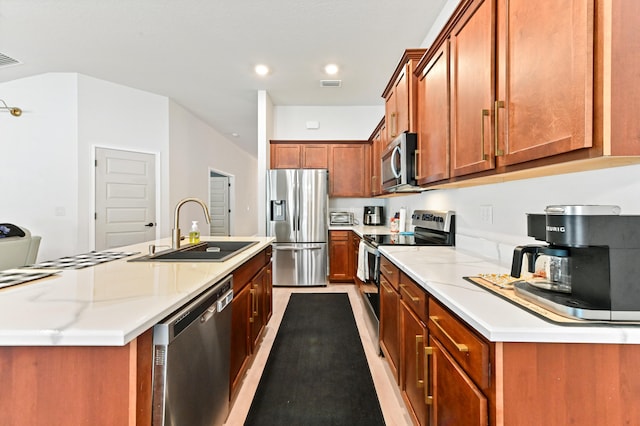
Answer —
(125, 198)
(220, 186)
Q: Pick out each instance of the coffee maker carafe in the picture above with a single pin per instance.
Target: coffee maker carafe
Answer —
(547, 267)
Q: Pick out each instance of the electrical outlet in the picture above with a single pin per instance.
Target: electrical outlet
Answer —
(486, 214)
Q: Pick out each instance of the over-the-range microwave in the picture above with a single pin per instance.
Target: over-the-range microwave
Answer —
(399, 164)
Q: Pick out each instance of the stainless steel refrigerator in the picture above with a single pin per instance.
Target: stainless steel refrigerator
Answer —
(297, 218)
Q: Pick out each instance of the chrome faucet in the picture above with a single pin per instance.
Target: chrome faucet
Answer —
(175, 233)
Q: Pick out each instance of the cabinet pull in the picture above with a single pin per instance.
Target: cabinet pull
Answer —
(416, 163)
(412, 297)
(393, 124)
(460, 346)
(252, 293)
(428, 351)
(384, 268)
(485, 112)
(498, 104)
(419, 340)
(386, 287)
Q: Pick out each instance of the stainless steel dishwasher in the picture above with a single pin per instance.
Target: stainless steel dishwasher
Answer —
(191, 361)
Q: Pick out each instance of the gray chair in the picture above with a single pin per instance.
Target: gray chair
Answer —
(17, 251)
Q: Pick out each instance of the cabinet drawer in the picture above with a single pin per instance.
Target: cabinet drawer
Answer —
(414, 296)
(390, 272)
(469, 350)
(339, 235)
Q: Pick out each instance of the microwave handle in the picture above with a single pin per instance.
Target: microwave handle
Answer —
(395, 152)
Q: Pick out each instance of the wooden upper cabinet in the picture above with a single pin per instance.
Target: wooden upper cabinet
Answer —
(433, 116)
(544, 98)
(315, 156)
(349, 170)
(472, 88)
(400, 97)
(286, 156)
(378, 142)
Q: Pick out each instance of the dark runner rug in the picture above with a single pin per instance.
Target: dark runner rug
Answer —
(317, 372)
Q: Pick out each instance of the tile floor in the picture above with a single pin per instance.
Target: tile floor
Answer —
(393, 408)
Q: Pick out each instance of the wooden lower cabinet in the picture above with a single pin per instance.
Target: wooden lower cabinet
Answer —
(340, 256)
(412, 378)
(455, 399)
(389, 330)
(251, 310)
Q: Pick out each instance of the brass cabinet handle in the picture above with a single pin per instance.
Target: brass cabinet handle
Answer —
(419, 340)
(412, 297)
(460, 346)
(394, 124)
(485, 112)
(428, 351)
(386, 287)
(252, 293)
(498, 104)
(384, 268)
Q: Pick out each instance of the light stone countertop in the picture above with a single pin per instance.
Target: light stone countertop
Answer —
(440, 271)
(109, 304)
(362, 229)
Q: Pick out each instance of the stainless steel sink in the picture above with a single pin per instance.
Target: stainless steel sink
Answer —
(207, 251)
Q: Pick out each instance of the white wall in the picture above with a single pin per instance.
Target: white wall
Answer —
(119, 117)
(39, 170)
(195, 147)
(47, 168)
(336, 122)
(510, 201)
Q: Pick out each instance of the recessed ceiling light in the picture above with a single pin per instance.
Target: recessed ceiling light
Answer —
(262, 69)
(331, 69)
(234, 134)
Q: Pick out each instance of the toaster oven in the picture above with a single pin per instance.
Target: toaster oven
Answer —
(340, 218)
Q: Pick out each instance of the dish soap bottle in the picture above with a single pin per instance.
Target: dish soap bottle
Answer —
(194, 234)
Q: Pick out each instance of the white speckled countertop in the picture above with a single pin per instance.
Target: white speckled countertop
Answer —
(111, 303)
(440, 271)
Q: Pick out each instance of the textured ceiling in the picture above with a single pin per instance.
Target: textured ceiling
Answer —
(201, 53)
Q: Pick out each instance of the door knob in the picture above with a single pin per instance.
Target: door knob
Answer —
(150, 224)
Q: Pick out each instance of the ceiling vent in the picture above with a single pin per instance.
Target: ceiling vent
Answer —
(6, 61)
(330, 83)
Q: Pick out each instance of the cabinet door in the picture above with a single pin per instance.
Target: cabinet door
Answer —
(472, 88)
(349, 170)
(545, 78)
(412, 383)
(339, 263)
(377, 146)
(315, 156)
(285, 156)
(240, 344)
(258, 316)
(391, 115)
(390, 325)
(433, 119)
(402, 101)
(456, 399)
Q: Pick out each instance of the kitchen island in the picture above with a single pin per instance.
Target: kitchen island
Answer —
(485, 360)
(75, 348)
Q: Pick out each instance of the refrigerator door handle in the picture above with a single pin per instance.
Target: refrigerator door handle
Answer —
(297, 248)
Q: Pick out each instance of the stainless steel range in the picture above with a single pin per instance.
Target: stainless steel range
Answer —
(431, 228)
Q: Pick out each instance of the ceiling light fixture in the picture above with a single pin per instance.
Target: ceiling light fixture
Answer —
(15, 111)
(262, 69)
(331, 69)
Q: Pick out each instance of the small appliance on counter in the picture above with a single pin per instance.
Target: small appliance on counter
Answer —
(341, 219)
(373, 215)
(589, 269)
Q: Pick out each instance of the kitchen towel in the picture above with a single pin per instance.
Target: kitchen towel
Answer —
(363, 262)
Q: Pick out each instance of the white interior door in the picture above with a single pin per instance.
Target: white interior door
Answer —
(219, 205)
(125, 198)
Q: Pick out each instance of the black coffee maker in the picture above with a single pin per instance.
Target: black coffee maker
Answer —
(590, 268)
